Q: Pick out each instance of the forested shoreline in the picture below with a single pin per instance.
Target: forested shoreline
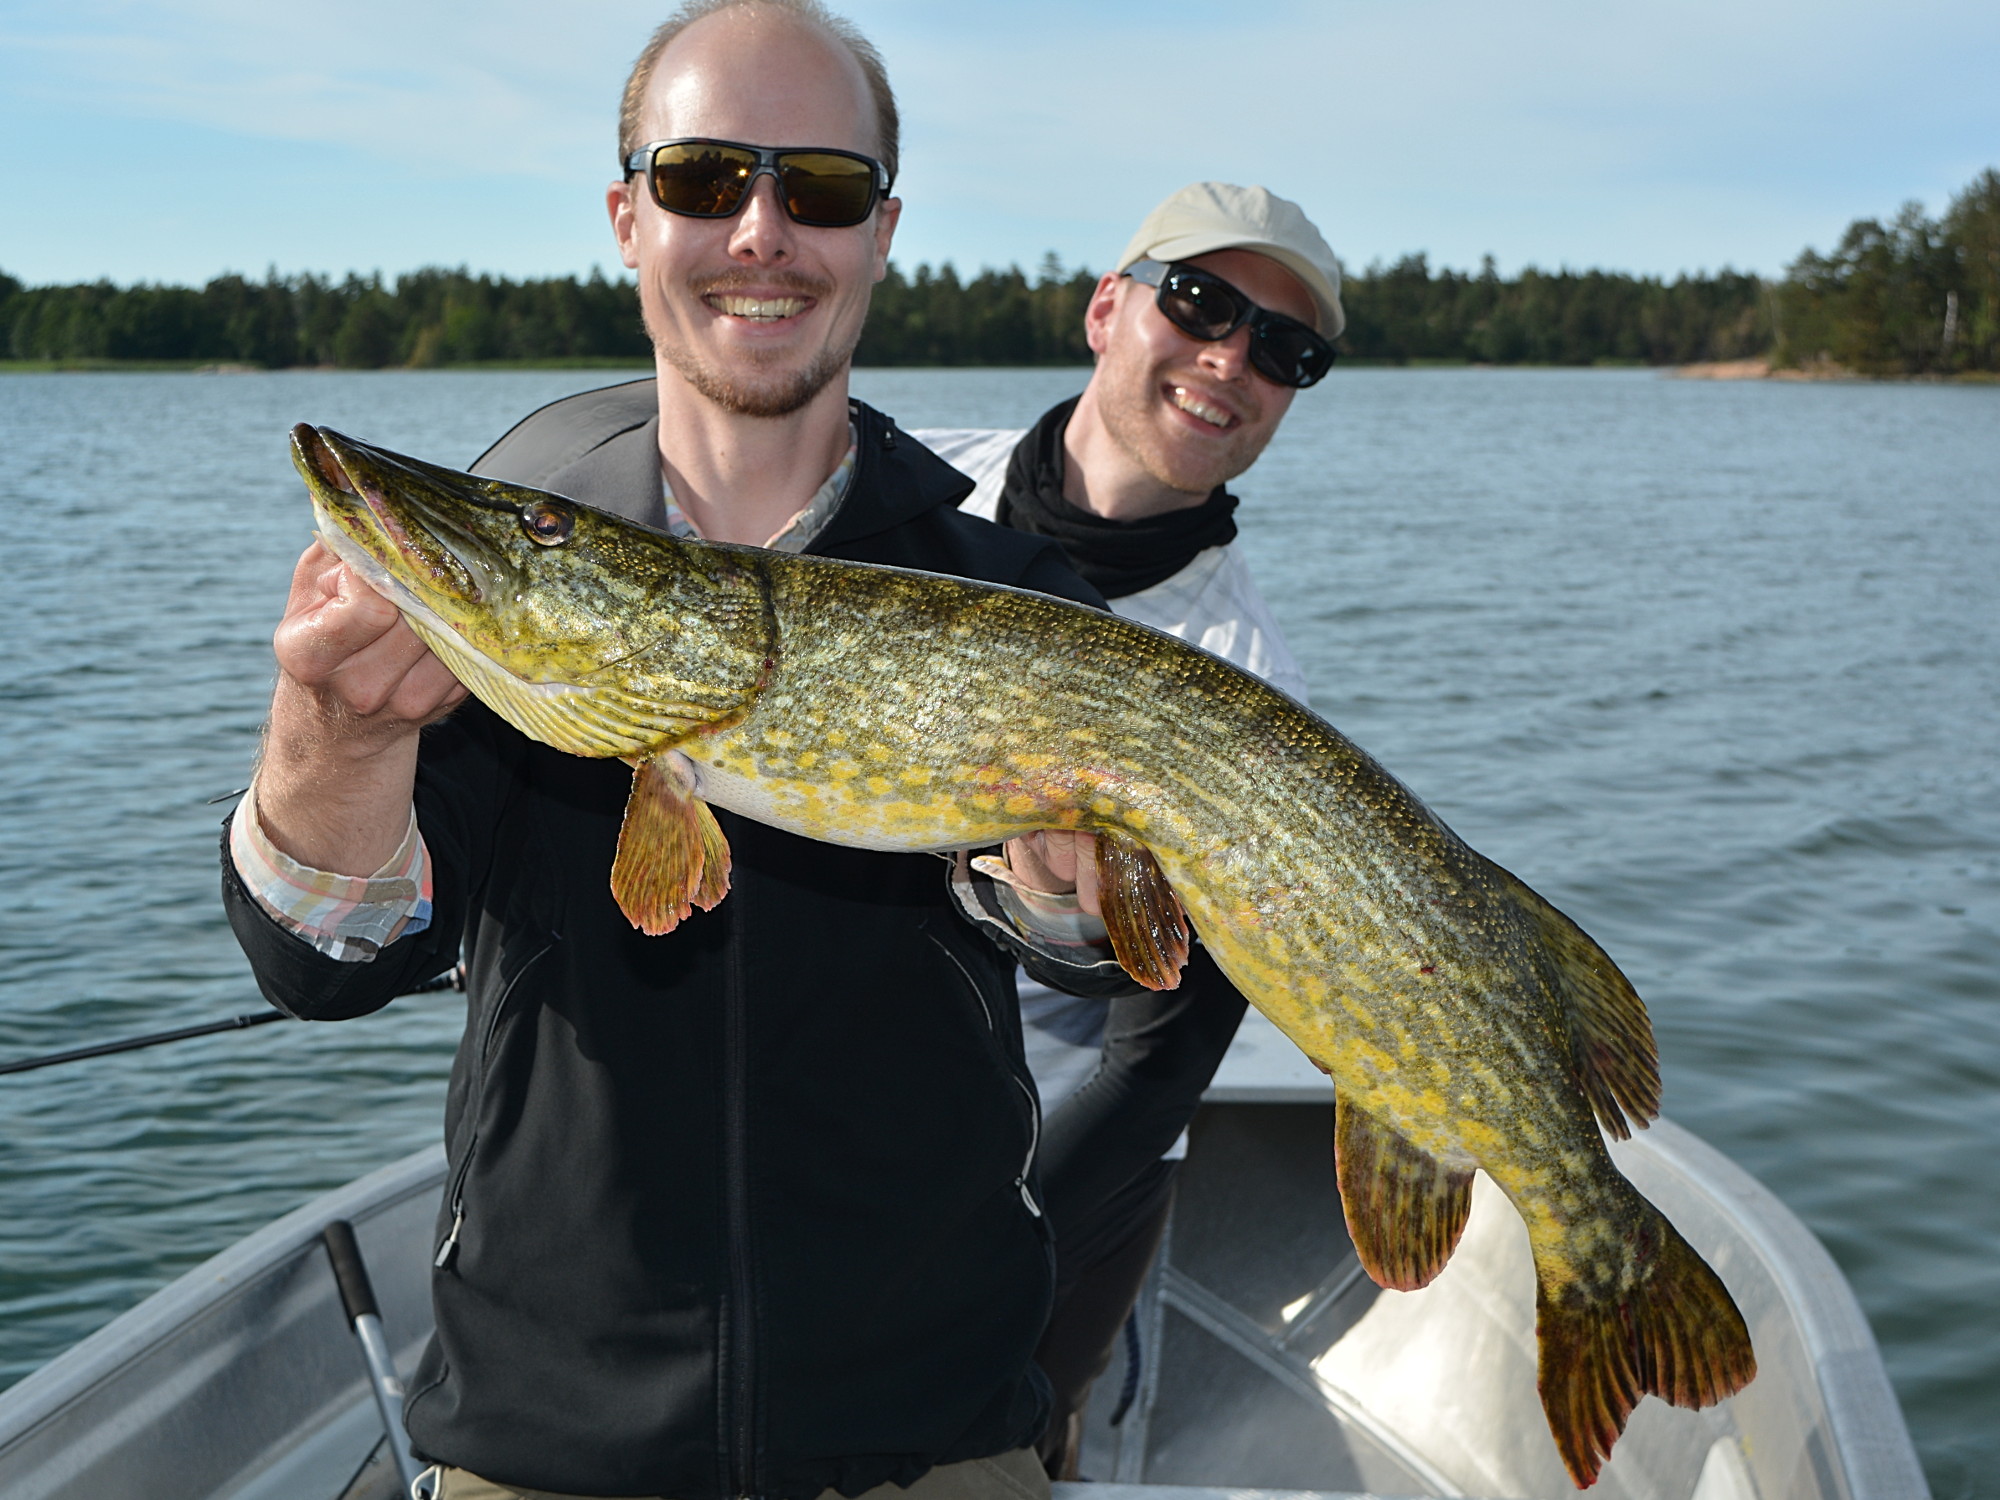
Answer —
(1912, 296)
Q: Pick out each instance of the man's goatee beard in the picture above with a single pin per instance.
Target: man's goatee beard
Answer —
(779, 396)
(781, 393)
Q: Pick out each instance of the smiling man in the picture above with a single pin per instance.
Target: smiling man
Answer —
(749, 1209)
(1223, 307)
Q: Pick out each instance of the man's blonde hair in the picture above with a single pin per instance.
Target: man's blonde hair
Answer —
(887, 129)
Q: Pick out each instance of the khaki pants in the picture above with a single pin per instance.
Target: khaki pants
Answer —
(1007, 1476)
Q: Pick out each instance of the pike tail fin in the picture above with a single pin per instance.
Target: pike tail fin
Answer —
(1676, 1334)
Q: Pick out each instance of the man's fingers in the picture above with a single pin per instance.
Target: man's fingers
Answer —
(330, 616)
(1058, 861)
(428, 691)
(393, 673)
(1084, 858)
(351, 649)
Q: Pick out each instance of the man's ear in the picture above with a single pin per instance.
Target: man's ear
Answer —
(1101, 311)
(624, 221)
(888, 213)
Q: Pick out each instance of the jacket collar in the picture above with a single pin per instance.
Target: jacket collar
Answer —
(896, 479)
(616, 467)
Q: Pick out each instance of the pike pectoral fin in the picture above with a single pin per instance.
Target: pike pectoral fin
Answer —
(671, 855)
(1611, 1037)
(1149, 931)
(1676, 1333)
(1405, 1209)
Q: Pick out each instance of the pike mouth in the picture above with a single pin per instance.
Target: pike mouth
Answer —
(757, 309)
(425, 551)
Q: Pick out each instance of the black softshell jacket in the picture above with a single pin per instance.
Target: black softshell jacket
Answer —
(748, 1209)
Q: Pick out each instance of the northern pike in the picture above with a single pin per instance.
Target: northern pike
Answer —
(1466, 1023)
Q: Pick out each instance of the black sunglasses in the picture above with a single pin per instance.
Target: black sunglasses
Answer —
(1204, 306)
(706, 179)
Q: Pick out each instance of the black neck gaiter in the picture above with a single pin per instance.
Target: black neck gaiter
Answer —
(1116, 557)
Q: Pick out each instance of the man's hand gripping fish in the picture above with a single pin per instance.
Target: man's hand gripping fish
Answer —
(1466, 1022)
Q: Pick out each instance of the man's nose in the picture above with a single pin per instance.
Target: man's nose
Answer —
(1227, 359)
(762, 230)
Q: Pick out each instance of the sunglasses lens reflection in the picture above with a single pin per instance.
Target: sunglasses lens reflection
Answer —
(1290, 354)
(702, 181)
(827, 190)
(1202, 307)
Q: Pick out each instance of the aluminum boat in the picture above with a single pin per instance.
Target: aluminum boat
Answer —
(1264, 1361)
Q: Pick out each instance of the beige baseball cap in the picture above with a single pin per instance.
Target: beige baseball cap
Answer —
(1207, 216)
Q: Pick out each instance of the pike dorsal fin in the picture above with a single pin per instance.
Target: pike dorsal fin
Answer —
(1405, 1209)
(1611, 1037)
(672, 856)
(1149, 931)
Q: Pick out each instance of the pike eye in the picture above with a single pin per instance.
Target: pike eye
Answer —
(547, 523)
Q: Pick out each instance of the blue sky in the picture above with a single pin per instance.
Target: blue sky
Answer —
(170, 140)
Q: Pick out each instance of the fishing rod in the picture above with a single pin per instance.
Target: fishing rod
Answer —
(451, 979)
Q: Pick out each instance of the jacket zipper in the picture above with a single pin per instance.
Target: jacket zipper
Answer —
(449, 1249)
(1034, 1108)
(740, 1325)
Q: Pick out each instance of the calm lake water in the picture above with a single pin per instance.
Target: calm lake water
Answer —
(1715, 667)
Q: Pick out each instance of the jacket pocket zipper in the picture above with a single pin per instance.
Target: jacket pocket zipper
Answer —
(1028, 1094)
(449, 1249)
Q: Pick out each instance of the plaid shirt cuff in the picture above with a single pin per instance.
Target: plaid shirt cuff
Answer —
(348, 917)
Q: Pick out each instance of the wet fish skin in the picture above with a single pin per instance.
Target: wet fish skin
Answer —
(1466, 1023)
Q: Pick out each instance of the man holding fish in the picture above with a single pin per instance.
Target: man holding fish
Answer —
(744, 1204)
(749, 1208)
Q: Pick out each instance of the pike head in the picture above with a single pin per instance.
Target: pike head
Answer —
(586, 631)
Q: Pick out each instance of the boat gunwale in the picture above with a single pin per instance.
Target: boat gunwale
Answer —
(43, 1395)
(1878, 1458)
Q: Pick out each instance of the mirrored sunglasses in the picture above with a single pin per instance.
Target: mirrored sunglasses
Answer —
(705, 179)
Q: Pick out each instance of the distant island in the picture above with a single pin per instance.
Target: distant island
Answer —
(1915, 296)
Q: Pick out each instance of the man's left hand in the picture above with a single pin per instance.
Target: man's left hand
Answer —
(1058, 862)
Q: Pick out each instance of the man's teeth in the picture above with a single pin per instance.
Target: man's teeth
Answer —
(757, 307)
(1195, 406)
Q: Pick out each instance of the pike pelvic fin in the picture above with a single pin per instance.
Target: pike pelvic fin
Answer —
(1611, 1038)
(1149, 931)
(1405, 1209)
(1676, 1333)
(672, 856)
